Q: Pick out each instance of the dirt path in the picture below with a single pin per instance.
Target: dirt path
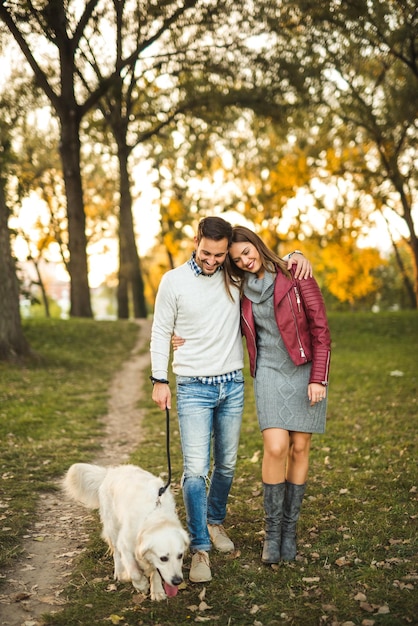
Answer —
(37, 580)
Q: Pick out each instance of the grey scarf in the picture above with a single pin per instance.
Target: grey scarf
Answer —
(259, 289)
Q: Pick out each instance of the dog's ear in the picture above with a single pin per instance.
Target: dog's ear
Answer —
(144, 544)
(186, 538)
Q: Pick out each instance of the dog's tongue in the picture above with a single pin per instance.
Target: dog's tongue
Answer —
(170, 590)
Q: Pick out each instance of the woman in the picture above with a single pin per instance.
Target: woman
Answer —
(285, 325)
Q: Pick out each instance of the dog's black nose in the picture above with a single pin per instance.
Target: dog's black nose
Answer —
(176, 581)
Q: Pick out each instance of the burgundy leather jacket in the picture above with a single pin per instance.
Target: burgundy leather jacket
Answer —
(302, 321)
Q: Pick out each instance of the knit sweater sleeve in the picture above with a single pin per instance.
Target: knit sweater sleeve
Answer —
(162, 328)
(319, 330)
(198, 309)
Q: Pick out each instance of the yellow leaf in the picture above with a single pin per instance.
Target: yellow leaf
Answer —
(115, 619)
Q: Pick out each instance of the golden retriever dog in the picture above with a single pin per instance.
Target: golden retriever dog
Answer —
(141, 527)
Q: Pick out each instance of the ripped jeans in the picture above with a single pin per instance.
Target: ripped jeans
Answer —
(208, 413)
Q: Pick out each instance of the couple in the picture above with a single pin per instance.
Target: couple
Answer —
(233, 285)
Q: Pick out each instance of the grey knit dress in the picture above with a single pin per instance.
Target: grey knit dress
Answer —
(280, 387)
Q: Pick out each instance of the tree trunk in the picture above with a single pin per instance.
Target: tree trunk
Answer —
(77, 240)
(41, 286)
(407, 204)
(12, 340)
(122, 290)
(130, 275)
(409, 287)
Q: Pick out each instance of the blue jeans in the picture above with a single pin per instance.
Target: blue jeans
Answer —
(208, 412)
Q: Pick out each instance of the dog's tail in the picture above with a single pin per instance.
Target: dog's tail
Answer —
(82, 482)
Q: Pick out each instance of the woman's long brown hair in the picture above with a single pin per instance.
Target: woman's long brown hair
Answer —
(269, 259)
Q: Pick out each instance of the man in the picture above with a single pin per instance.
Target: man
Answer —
(196, 302)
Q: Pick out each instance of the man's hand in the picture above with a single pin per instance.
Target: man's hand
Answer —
(161, 394)
(177, 341)
(303, 266)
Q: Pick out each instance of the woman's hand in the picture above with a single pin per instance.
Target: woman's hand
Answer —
(303, 266)
(316, 393)
(177, 341)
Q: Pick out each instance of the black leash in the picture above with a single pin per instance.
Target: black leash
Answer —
(167, 440)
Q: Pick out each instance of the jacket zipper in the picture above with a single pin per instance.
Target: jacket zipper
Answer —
(301, 350)
(297, 297)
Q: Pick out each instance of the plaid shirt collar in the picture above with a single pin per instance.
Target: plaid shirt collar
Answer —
(198, 270)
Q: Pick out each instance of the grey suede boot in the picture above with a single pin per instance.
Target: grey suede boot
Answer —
(273, 508)
(291, 511)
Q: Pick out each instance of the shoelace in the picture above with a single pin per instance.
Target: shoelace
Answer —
(201, 558)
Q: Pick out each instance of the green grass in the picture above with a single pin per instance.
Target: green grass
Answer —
(358, 529)
(50, 410)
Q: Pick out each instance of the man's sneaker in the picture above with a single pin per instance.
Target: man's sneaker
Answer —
(220, 539)
(200, 569)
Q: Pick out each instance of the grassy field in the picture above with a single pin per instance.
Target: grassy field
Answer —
(357, 560)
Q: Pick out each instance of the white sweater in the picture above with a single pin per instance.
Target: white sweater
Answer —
(198, 309)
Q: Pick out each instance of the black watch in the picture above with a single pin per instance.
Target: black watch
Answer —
(158, 380)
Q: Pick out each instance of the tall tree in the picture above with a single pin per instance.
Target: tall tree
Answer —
(154, 90)
(52, 35)
(145, 35)
(13, 343)
(360, 60)
(12, 340)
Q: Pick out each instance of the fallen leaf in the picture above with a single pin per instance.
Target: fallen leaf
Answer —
(69, 554)
(202, 594)
(18, 597)
(50, 600)
(401, 585)
(139, 598)
(360, 597)
(342, 561)
(115, 619)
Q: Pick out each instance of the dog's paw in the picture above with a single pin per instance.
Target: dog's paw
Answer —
(159, 595)
(122, 576)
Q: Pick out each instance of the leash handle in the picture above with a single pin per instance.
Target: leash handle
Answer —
(167, 440)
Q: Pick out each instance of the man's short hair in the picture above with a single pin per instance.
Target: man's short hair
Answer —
(215, 228)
